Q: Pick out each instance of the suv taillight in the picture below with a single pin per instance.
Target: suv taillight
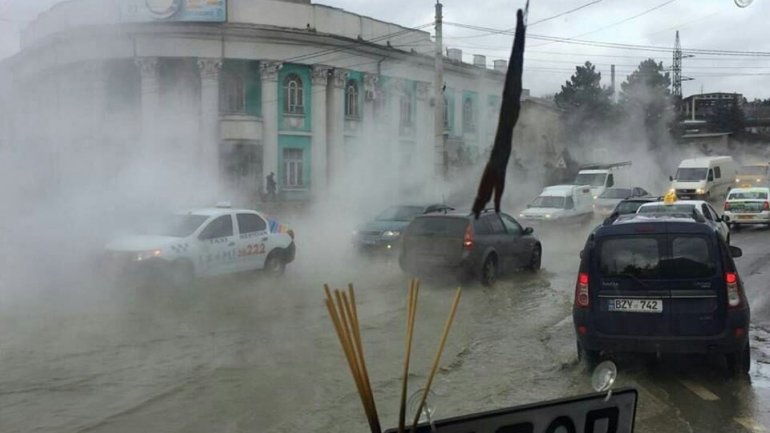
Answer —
(727, 205)
(733, 290)
(581, 291)
(468, 238)
(765, 206)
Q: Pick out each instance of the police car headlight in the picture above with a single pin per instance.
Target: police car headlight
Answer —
(391, 234)
(146, 255)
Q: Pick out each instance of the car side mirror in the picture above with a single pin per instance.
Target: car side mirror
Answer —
(529, 206)
(528, 230)
(671, 178)
(735, 251)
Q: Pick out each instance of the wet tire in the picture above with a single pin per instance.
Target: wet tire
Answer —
(536, 259)
(739, 363)
(489, 271)
(589, 358)
(275, 265)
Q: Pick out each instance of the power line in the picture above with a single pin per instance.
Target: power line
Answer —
(564, 13)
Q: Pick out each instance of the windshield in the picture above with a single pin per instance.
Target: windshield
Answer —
(651, 257)
(178, 226)
(691, 174)
(592, 179)
(400, 213)
(747, 195)
(753, 170)
(617, 193)
(549, 201)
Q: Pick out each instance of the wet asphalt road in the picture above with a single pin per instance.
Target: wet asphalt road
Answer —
(250, 354)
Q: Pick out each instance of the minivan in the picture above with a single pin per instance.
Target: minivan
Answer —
(660, 285)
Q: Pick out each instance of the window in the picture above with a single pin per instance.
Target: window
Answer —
(570, 203)
(221, 227)
(438, 226)
(351, 99)
(293, 164)
(495, 224)
(638, 256)
(717, 172)
(690, 258)
(711, 175)
(469, 116)
(406, 111)
(233, 93)
(481, 227)
(610, 181)
(706, 212)
(250, 223)
(293, 97)
(511, 225)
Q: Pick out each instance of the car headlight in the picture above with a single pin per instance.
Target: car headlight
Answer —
(146, 255)
(595, 197)
(700, 191)
(521, 215)
(671, 190)
(737, 179)
(390, 234)
(547, 215)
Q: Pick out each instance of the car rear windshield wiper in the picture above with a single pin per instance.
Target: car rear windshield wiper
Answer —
(636, 279)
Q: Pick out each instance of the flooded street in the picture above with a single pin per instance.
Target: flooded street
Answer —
(249, 353)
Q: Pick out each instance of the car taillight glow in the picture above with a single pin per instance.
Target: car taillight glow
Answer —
(727, 206)
(733, 291)
(468, 238)
(581, 291)
(765, 206)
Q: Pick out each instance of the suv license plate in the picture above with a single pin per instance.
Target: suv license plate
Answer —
(636, 305)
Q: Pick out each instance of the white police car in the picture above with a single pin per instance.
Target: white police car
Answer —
(205, 242)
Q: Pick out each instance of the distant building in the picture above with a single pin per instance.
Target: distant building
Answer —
(236, 89)
(701, 106)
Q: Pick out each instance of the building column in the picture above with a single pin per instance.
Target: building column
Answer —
(269, 75)
(425, 127)
(318, 151)
(150, 88)
(208, 161)
(335, 122)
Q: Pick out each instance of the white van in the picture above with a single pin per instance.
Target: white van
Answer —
(599, 176)
(704, 178)
(561, 203)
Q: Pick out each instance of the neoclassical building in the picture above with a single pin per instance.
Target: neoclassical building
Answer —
(306, 91)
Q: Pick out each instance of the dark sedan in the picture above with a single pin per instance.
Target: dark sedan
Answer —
(456, 243)
(383, 233)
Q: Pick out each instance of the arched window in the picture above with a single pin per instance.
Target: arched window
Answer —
(469, 116)
(233, 93)
(407, 114)
(293, 97)
(351, 99)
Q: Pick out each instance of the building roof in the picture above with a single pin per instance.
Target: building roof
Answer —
(706, 135)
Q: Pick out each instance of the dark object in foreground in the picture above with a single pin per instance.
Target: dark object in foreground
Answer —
(590, 412)
(493, 179)
(663, 285)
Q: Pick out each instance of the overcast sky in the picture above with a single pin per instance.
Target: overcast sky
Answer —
(703, 24)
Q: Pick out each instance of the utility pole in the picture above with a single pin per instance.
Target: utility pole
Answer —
(612, 85)
(676, 90)
(438, 87)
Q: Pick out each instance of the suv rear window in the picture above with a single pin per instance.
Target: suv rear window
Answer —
(437, 226)
(656, 257)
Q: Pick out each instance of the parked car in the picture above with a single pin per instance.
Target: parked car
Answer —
(384, 232)
(748, 206)
(661, 285)
(700, 210)
(458, 243)
(607, 201)
(204, 242)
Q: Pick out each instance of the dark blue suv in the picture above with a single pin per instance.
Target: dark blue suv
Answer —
(660, 284)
